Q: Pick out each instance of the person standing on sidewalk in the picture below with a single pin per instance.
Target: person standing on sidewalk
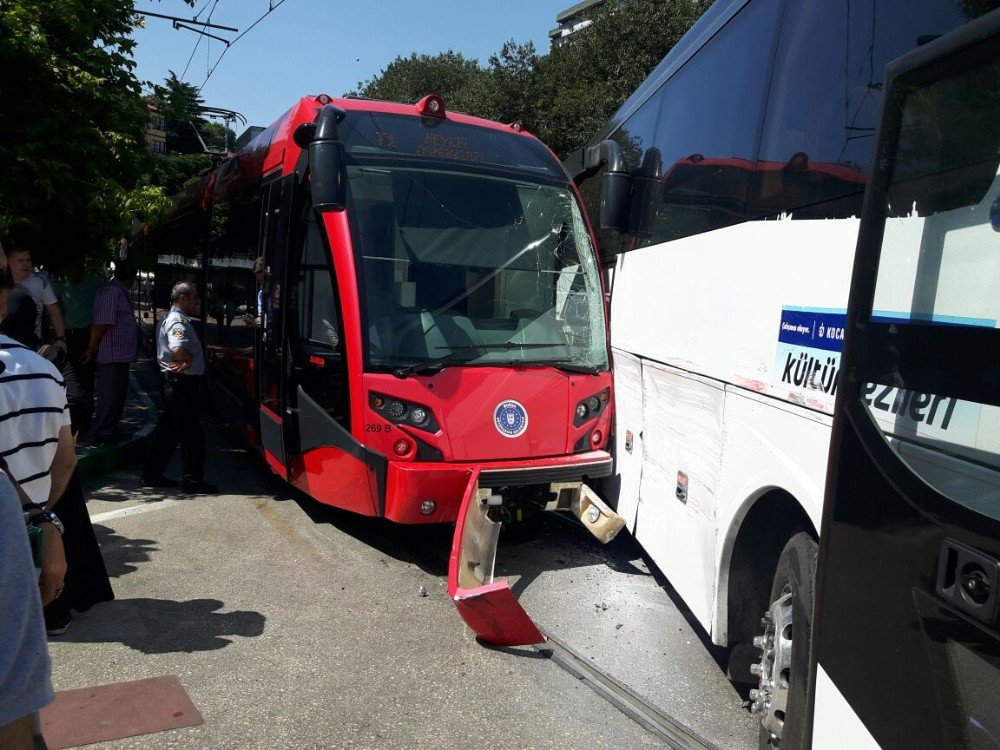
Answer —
(114, 345)
(77, 290)
(182, 365)
(41, 291)
(25, 684)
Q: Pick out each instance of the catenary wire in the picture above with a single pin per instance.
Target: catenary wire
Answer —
(272, 6)
(197, 41)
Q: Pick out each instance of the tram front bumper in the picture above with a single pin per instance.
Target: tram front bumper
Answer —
(487, 606)
(409, 484)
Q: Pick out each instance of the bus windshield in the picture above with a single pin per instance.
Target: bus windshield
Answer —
(497, 270)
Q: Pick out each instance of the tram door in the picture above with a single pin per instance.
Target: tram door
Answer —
(270, 349)
(906, 636)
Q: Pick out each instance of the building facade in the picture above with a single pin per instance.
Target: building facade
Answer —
(572, 20)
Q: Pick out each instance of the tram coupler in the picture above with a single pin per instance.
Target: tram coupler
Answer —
(489, 607)
(578, 499)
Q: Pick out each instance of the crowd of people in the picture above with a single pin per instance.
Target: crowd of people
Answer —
(61, 343)
(66, 347)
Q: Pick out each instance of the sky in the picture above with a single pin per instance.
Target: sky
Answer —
(322, 46)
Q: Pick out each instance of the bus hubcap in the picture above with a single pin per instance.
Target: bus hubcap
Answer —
(774, 670)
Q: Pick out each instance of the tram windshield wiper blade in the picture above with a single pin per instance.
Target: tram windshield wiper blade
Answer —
(554, 364)
(457, 353)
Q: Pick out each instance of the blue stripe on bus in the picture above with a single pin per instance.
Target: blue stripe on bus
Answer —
(882, 316)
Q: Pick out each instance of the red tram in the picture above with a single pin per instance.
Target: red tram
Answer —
(427, 341)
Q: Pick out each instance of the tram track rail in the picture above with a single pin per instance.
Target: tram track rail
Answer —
(674, 733)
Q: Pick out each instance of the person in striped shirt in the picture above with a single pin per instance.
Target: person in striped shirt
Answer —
(25, 684)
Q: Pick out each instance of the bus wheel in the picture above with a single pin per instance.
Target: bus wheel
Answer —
(780, 698)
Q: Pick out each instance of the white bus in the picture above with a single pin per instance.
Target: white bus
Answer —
(728, 189)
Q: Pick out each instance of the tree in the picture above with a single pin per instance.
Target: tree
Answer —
(409, 79)
(587, 80)
(72, 121)
(171, 173)
(563, 96)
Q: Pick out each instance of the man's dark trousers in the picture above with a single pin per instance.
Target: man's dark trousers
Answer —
(180, 422)
(111, 390)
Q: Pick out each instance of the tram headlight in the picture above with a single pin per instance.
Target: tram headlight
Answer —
(396, 409)
(591, 406)
(418, 415)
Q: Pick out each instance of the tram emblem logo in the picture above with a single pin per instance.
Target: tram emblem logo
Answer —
(510, 418)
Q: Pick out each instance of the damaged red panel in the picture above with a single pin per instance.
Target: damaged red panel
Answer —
(488, 607)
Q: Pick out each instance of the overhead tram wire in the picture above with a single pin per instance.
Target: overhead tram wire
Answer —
(197, 42)
(272, 6)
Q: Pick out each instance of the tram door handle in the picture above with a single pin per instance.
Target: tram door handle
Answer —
(969, 581)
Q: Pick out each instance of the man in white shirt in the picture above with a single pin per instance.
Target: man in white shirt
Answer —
(41, 291)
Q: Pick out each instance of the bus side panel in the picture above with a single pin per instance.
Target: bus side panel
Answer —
(712, 303)
(767, 445)
(683, 453)
(334, 477)
(629, 449)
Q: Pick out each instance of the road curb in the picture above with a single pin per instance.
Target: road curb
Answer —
(98, 460)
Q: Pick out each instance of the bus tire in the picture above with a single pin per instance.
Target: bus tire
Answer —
(780, 699)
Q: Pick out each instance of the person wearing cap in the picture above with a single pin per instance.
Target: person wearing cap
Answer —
(182, 364)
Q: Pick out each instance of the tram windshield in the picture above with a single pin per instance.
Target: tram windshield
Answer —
(494, 269)
(469, 242)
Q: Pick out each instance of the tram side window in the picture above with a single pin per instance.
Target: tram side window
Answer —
(825, 99)
(181, 255)
(316, 299)
(232, 287)
(706, 132)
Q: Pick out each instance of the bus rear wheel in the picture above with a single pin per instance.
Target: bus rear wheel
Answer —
(783, 671)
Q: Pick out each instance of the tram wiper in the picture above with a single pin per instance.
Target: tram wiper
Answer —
(458, 353)
(554, 364)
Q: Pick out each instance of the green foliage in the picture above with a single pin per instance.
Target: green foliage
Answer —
(181, 105)
(172, 173)
(409, 79)
(72, 122)
(563, 96)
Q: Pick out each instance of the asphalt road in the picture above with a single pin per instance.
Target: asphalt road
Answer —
(292, 625)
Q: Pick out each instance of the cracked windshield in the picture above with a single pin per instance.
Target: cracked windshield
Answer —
(486, 268)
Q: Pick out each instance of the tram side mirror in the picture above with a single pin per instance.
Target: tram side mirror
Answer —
(616, 184)
(327, 172)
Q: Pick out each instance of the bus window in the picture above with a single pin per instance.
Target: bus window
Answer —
(940, 265)
(707, 128)
(824, 100)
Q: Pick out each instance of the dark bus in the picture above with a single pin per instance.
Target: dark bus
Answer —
(906, 630)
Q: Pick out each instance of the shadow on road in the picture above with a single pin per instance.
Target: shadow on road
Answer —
(122, 554)
(163, 626)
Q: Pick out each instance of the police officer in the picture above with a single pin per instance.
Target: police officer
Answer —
(182, 365)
